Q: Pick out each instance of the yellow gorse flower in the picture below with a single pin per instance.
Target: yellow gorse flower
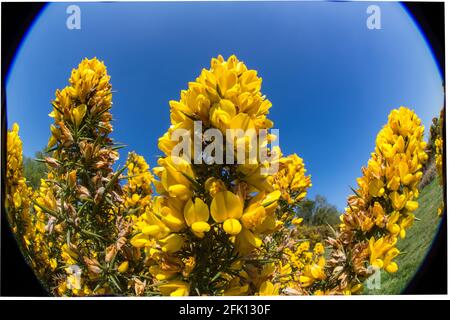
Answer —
(439, 150)
(291, 179)
(17, 194)
(385, 199)
(81, 215)
(224, 211)
(28, 225)
(211, 229)
(227, 208)
(196, 215)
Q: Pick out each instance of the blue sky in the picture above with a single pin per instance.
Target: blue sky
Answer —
(331, 80)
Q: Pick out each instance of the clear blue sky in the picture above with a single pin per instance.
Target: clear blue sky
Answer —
(331, 80)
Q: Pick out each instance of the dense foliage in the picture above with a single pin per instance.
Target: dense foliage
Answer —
(211, 227)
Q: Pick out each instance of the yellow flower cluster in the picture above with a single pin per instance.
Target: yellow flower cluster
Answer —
(17, 192)
(306, 268)
(382, 207)
(299, 271)
(211, 229)
(291, 179)
(215, 210)
(89, 93)
(439, 149)
(293, 184)
(138, 189)
(29, 225)
(44, 224)
(227, 96)
(439, 143)
(80, 212)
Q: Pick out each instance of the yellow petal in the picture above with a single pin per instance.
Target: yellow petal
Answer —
(200, 227)
(392, 267)
(226, 205)
(52, 141)
(403, 170)
(412, 205)
(179, 191)
(232, 226)
(123, 267)
(172, 243)
(378, 263)
(268, 289)
(151, 230)
(271, 198)
(173, 222)
(175, 288)
(140, 240)
(242, 121)
(79, 113)
(252, 239)
(196, 212)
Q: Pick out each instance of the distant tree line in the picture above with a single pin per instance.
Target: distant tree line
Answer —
(34, 170)
(318, 211)
(436, 130)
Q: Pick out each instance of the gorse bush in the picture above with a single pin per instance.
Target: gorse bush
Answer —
(381, 209)
(438, 130)
(81, 200)
(17, 200)
(213, 226)
(204, 233)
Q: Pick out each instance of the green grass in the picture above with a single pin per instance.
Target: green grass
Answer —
(416, 244)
